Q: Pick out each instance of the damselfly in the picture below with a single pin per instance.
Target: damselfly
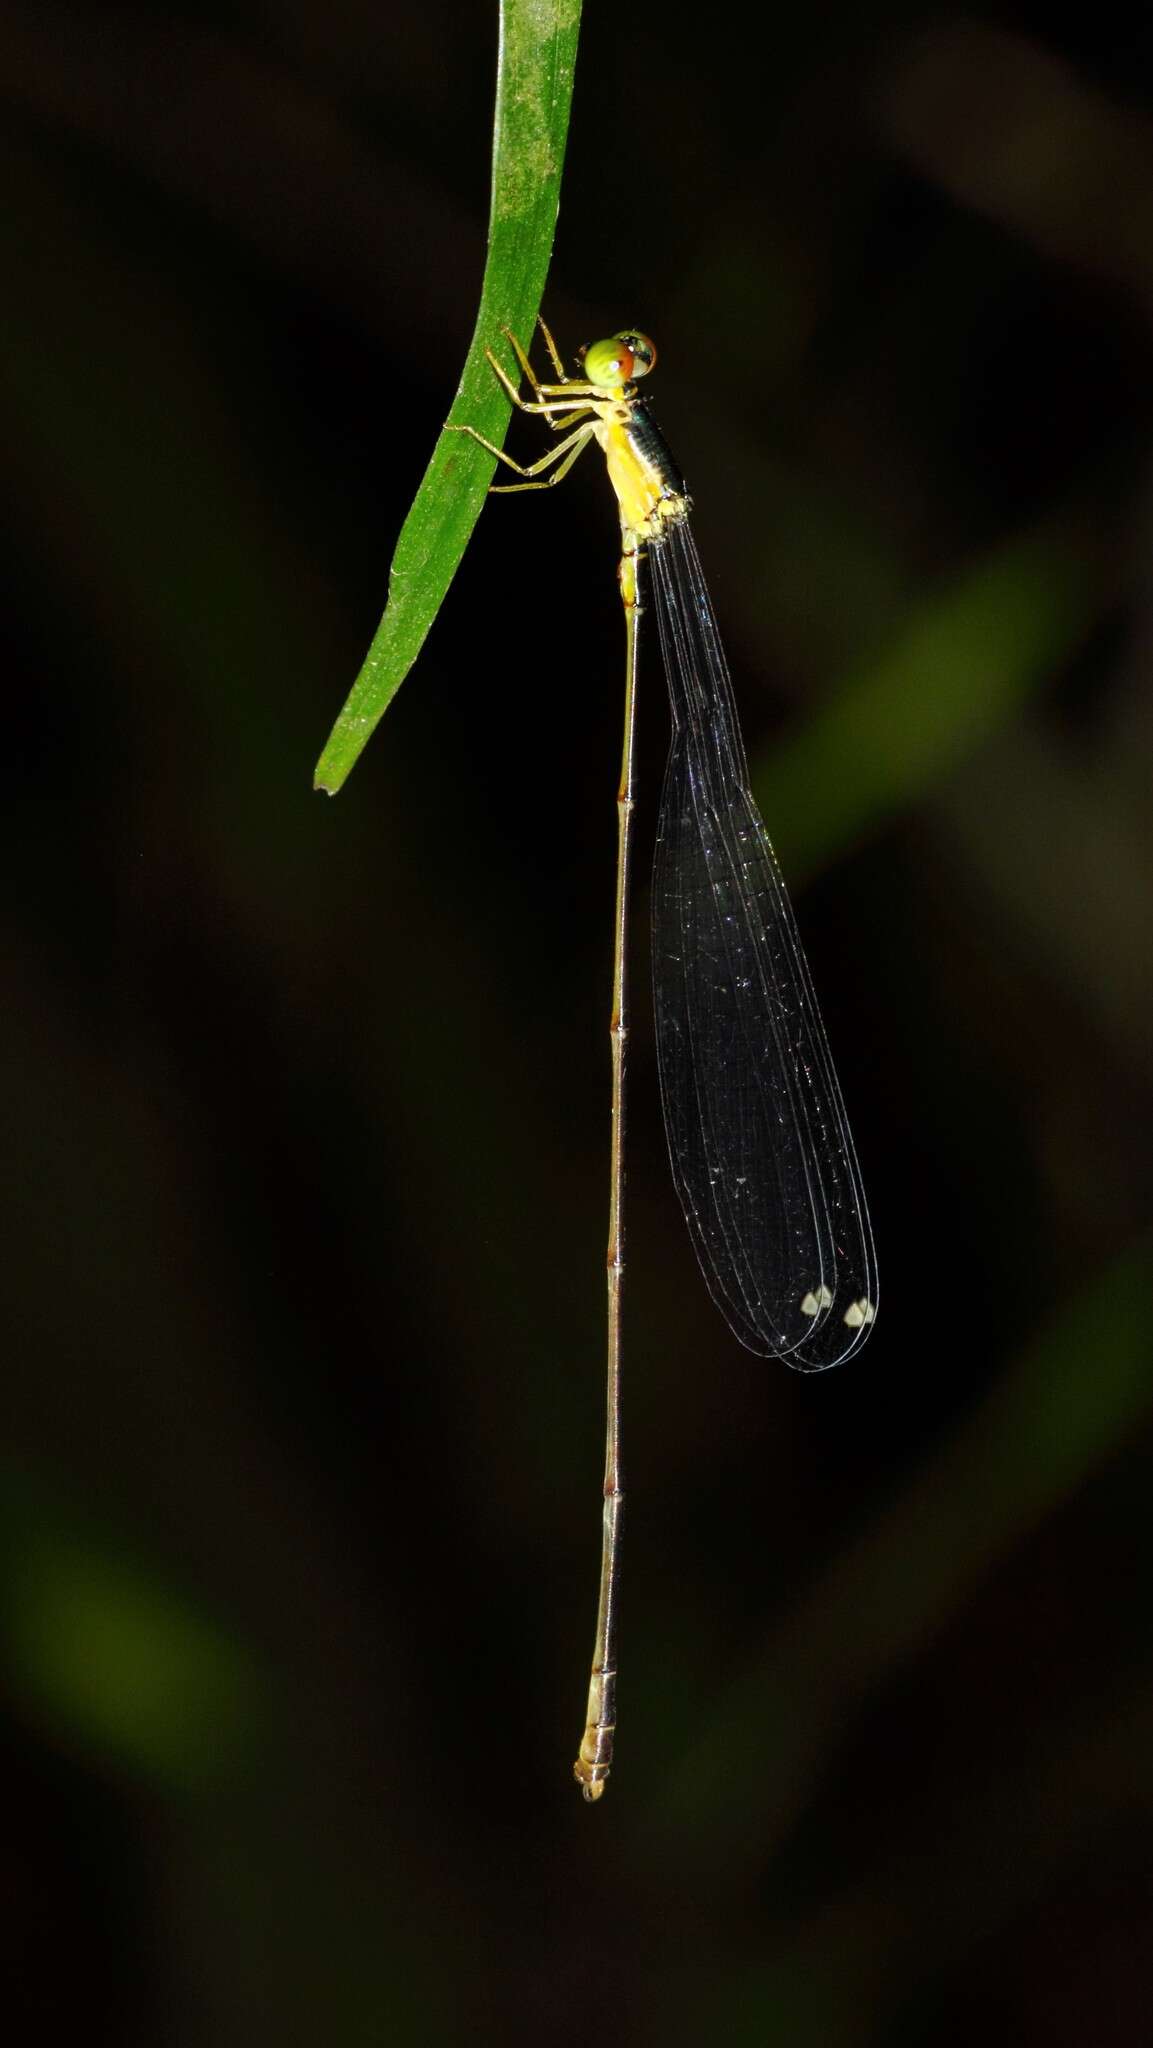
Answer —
(761, 1151)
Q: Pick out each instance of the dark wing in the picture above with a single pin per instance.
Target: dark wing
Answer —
(761, 1151)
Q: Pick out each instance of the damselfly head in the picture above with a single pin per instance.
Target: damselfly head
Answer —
(619, 361)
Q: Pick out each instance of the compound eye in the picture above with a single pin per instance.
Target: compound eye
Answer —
(608, 364)
(641, 348)
(616, 362)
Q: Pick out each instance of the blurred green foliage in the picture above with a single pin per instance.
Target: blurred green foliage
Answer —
(108, 1655)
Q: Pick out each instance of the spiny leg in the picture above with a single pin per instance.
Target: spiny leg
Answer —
(560, 459)
(554, 352)
(522, 357)
(542, 391)
(569, 397)
(574, 447)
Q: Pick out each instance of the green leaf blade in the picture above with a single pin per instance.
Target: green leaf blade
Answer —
(538, 43)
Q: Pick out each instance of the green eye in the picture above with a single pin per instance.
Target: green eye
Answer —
(619, 361)
(607, 364)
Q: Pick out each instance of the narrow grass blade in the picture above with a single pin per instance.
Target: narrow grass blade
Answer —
(538, 43)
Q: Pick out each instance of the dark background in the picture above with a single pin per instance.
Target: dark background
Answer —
(306, 1101)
